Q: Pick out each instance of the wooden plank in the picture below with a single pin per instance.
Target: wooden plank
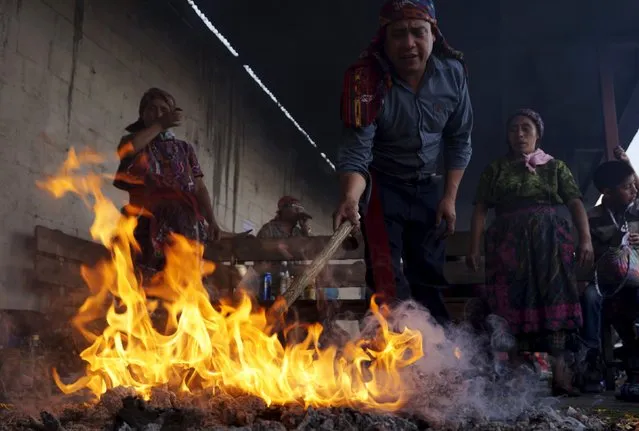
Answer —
(340, 275)
(459, 243)
(458, 273)
(337, 275)
(253, 249)
(57, 243)
(58, 272)
(307, 310)
(297, 248)
(220, 251)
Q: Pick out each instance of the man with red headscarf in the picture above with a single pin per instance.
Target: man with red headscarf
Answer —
(405, 102)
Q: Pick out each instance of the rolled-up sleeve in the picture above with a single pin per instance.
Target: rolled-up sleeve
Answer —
(456, 136)
(356, 150)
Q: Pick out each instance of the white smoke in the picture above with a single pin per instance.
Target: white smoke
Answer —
(457, 380)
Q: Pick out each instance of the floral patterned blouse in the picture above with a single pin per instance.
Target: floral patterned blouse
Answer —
(506, 182)
(166, 163)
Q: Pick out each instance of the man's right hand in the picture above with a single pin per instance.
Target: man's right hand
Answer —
(171, 119)
(621, 155)
(348, 209)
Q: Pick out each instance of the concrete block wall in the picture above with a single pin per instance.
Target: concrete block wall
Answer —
(71, 75)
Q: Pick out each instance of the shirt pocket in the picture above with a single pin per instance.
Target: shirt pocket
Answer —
(435, 114)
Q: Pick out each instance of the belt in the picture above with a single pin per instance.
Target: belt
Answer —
(423, 179)
(415, 181)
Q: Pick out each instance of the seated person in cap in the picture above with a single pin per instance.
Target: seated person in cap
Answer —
(290, 220)
(613, 223)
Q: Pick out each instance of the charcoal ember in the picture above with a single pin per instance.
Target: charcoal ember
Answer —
(381, 422)
(82, 412)
(292, 416)
(263, 425)
(80, 427)
(111, 400)
(83, 416)
(178, 419)
(348, 419)
(241, 411)
(162, 398)
(15, 419)
(252, 403)
(10, 371)
(135, 414)
(50, 422)
(72, 412)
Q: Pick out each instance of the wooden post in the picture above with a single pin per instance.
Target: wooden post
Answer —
(608, 101)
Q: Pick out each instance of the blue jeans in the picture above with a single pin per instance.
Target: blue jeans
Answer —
(399, 225)
(591, 308)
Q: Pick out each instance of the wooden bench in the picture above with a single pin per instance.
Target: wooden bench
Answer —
(59, 257)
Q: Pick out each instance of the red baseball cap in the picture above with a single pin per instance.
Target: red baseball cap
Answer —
(291, 202)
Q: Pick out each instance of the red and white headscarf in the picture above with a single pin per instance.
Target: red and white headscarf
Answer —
(367, 81)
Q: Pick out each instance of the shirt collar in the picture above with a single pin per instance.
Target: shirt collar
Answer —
(167, 135)
(433, 63)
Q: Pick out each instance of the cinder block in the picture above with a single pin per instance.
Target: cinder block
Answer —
(60, 62)
(36, 28)
(34, 78)
(65, 8)
(11, 68)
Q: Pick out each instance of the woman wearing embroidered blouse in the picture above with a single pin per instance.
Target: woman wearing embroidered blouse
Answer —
(164, 180)
(530, 259)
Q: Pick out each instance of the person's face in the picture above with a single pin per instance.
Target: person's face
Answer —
(522, 135)
(624, 194)
(289, 214)
(408, 44)
(155, 110)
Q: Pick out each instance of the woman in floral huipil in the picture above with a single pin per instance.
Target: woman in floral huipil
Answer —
(163, 178)
(530, 258)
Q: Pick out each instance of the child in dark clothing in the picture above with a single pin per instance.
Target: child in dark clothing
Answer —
(613, 223)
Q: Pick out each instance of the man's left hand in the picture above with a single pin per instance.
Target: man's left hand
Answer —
(446, 212)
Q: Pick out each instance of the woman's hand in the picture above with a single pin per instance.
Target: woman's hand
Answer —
(472, 261)
(621, 155)
(585, 254)
(473, 258)
(171, 119)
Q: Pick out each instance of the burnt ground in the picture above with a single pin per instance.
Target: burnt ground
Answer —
(625, 415)
(119, 411)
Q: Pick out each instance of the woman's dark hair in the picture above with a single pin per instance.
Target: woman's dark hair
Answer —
(610, 175)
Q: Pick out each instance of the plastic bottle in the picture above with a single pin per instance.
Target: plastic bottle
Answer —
(285, 278)
(265, 288)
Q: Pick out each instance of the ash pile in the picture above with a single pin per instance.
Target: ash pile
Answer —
(120, 410)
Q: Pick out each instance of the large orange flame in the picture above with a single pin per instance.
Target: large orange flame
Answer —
(202, 346)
